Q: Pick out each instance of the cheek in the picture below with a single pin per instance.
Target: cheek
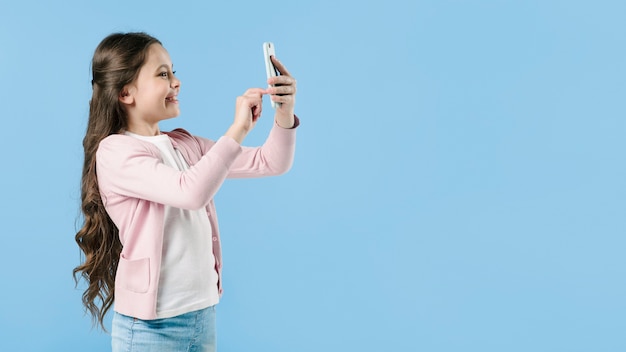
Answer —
(153, 95)
(161, 92)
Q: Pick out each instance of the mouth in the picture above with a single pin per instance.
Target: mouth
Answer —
(172, 99)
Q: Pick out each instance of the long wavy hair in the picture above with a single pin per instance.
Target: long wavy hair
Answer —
(116, 63)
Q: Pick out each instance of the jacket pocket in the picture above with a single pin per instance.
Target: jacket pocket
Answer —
(134, 275)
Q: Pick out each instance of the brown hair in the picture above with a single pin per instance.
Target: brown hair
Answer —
(116, 63)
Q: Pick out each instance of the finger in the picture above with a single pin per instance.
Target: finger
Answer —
(283, 99)
(281, 81)
(255, 105)
(251, 99)
(256, 112)
(255, 92)
(279, 66)
(282, 90)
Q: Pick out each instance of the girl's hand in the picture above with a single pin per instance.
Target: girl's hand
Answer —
(247, 111)
(283, 92)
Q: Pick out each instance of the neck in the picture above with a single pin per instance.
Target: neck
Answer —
(143, 129)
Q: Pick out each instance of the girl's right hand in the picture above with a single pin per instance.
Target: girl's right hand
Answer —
(248, 109)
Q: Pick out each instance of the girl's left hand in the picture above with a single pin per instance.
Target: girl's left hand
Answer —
(283, 90)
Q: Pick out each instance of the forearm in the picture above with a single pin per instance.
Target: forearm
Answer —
(236, 132)
(127, 168)
(273, 158)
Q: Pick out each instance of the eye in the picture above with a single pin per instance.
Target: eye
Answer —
(163, 74)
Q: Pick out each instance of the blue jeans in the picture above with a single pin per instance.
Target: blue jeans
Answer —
(190, 332)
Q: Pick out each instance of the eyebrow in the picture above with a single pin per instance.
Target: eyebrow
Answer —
(164, 66)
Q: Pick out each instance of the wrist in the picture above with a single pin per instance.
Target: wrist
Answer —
(237, 132)
(285, 120)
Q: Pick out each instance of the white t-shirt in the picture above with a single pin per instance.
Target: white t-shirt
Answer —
(188, 279)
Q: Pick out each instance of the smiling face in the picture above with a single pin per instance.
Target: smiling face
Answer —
(152, 97)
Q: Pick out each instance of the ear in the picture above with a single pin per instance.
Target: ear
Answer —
(127, 95)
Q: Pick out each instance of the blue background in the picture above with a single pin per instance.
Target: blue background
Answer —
(458, 184)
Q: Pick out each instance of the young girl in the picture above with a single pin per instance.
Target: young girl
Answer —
(150, 235)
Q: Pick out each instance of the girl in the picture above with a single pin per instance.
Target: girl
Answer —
(150, 234)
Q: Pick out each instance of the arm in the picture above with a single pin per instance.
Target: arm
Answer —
(276, 155)
(132, 168)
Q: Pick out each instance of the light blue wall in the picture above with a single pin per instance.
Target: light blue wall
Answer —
(458, 184)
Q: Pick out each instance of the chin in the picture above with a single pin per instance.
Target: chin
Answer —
(174, 114)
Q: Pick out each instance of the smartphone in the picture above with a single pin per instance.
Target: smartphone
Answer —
(270, 70)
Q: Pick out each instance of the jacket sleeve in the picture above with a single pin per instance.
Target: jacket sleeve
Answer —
(275, 157)
(130, 168)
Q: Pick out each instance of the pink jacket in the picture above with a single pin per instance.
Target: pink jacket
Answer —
(135, 184)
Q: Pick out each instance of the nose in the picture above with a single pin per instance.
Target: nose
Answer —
(174, 82)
